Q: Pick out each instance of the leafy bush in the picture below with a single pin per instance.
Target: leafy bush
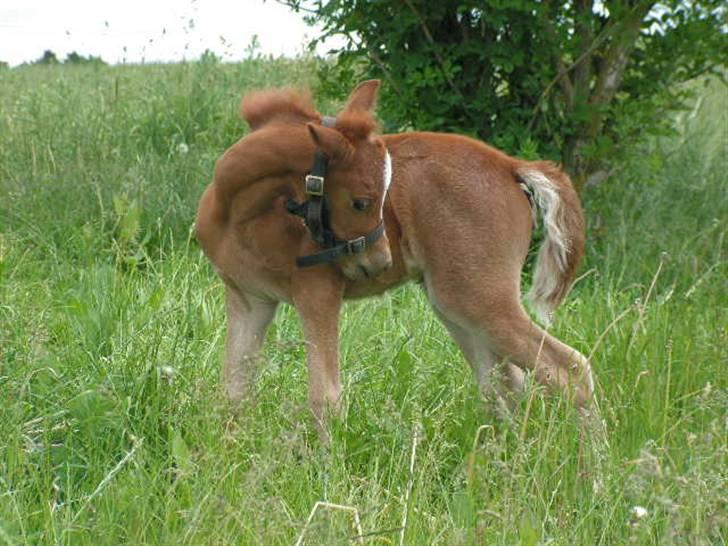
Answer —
(574, 81)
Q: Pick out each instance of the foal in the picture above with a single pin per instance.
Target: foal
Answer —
(456, 215)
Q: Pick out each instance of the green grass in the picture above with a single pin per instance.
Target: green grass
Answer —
(114, 429)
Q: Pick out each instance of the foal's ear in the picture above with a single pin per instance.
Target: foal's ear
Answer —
(364, 97)
(330, 141)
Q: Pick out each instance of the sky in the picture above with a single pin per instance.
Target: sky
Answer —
(136, 31)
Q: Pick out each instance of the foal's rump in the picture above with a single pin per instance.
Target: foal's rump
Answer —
(470, 211)
(563, 245)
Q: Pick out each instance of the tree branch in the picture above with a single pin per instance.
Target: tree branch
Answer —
(296, 6)
(440, 60)
(582, 69)
(594, 45)
(562, 73)
(615, 61)
(378, 61)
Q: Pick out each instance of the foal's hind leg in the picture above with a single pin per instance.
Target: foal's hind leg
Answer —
(492, 314)
(513, 335)
(248, 318)
(496, 379)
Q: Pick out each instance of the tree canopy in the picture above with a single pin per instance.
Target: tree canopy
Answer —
(577, 80)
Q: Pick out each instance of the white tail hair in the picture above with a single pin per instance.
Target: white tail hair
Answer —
(563, 245)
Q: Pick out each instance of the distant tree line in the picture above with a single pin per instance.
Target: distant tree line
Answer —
(50, 58)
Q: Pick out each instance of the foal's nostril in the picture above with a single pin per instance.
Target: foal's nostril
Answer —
(364, 270)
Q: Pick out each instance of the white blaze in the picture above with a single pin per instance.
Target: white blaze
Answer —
(387, 175)
(387, 170)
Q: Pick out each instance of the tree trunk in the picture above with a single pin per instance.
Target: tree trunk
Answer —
(608, 79)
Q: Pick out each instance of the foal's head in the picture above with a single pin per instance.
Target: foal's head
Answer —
(357, 179)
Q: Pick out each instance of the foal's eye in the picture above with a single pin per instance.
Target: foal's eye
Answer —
(360, 205)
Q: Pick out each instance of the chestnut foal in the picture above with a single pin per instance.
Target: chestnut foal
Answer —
(378, 210)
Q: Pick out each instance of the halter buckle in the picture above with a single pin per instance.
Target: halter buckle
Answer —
(314, 185)
(356, 245)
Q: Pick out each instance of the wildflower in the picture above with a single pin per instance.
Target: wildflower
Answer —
(638, 512)
(167, 373)
(182, 148)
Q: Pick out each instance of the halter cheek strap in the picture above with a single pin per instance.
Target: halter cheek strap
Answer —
(315, 214)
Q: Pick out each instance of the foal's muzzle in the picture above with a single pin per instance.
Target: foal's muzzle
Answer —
(371, 263)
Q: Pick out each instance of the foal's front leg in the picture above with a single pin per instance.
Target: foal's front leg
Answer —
(248, 318)
(318, 295)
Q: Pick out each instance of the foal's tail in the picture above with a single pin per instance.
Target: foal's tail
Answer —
(563, 246)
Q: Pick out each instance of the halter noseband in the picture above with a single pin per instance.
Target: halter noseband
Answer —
(316, 217)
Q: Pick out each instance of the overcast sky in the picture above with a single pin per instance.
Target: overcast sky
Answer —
(147, 30)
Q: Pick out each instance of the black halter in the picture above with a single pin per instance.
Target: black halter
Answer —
(315, 214)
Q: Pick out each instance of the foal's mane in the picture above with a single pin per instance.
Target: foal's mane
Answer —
(262, 107)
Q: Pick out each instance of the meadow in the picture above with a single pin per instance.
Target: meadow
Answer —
(113, 429)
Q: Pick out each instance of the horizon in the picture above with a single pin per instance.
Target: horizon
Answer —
(169, 31)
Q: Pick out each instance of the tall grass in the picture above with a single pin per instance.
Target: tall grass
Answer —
(114, 430)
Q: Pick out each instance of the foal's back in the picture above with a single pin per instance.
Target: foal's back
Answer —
(460, 202)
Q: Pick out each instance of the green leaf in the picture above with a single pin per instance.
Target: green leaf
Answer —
(181, 453)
